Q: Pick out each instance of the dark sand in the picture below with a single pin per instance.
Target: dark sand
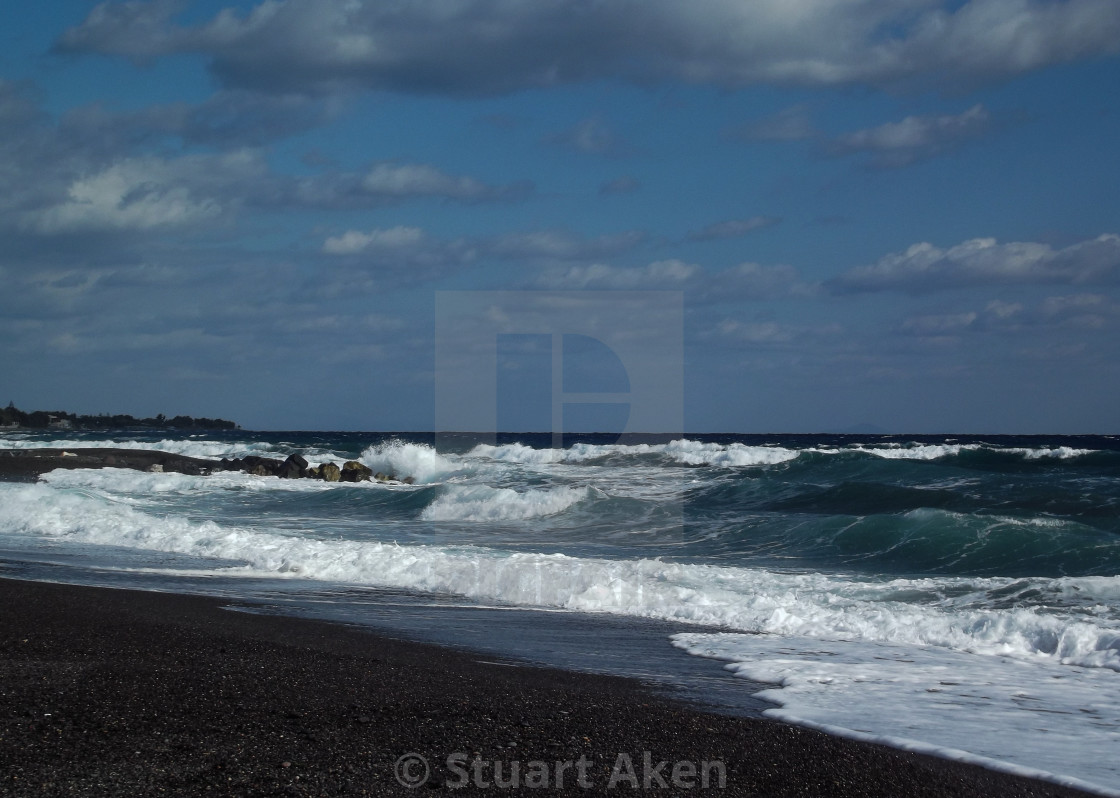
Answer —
(115, 692)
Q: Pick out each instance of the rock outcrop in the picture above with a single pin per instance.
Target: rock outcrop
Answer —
(295, 467)
(353, 471)
(29, 464)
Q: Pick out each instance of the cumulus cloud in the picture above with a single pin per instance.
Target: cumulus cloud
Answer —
(1085, 311)
(747, 281)
(95, 171)
(141, 194)
(353, 242)
(365, 259)
(497, 46)
(732, 228)
(1077, 312)
(662, 274)
(421, 180)
(924, 268)
(915, 138)
(412, 246)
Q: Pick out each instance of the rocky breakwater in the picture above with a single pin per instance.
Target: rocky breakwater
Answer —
(297, 467)
(29, 464)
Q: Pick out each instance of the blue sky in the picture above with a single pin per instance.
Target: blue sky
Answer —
(903, 213)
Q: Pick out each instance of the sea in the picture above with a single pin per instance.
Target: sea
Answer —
(953, 595)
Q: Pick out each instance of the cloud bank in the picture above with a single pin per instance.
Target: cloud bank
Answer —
(478, 47)
(924, 268)
(915, 138)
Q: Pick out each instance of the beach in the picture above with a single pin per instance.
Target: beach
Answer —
(769, 615)
(121, 692)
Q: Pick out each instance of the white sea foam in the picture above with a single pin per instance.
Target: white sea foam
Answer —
(940, 450)
(416, 460)
(748, 599)
(929, 452)
(849, 654)
(484, 503)
(727, 455)
(1059, 452)
(681, 451)
(1034, 718)
(518, 453)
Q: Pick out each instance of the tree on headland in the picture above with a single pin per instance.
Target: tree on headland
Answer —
(44, 419)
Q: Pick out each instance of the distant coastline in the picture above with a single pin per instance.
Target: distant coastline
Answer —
(14, 419)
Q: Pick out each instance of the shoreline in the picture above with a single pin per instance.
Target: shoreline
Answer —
(113, 691)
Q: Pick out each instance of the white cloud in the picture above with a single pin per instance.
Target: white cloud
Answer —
(747, 281)
(660, 274)
(352, 241)
(1085, 311)
(1070, 312)
(495, 46)
(132, 194)
(923, 268)
(915, 138)
(420, 180)
(412, 246)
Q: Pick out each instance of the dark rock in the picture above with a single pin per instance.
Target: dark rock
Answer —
(353, 471)
(294, 467)
(260, 466)
(329, 472)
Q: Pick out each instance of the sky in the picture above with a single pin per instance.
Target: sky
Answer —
(898, 214)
